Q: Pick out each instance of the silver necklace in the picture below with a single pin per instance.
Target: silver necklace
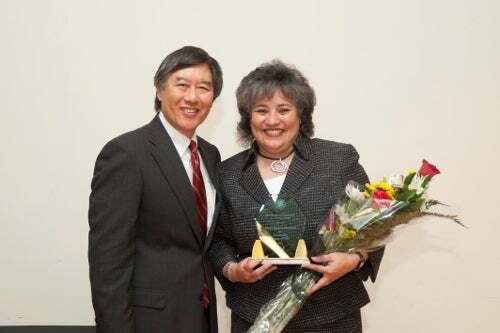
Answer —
(278, 165)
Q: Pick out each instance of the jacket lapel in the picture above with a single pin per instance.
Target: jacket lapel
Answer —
(252, 182)
(170, 164)
(300, 168)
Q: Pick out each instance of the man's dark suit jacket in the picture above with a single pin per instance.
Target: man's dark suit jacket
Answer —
(146, 257)
(316, 178)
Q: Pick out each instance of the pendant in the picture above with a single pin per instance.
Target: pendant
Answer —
(279, 166)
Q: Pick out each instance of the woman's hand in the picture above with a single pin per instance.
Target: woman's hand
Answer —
(333, 266)
(248, 271)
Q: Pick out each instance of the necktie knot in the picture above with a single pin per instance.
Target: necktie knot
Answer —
(192, 146)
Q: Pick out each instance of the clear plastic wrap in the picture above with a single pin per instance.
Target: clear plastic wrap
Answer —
(364, 219)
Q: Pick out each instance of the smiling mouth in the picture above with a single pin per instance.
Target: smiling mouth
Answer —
(273, 131)
(190, 111)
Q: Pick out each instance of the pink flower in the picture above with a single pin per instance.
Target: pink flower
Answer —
(381, 203)
(329, 223)
(381, 199)
(429, 170)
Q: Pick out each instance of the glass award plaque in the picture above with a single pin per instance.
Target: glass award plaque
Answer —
(280, 225)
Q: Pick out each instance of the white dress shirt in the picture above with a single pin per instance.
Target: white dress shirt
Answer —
(274, 186)
(181, 143)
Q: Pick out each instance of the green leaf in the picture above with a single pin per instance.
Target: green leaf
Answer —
(407, 195)
(408, 179)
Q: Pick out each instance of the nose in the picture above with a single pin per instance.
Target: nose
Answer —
(191, 95)
(272, 118)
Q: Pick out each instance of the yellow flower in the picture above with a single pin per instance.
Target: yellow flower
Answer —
(371, 187)
(380, 186)
(383, 185)
(348, 233)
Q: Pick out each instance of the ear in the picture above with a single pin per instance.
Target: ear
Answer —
(158, 92)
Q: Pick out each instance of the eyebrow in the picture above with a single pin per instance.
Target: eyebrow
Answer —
(181, 78)
(209, 83)
(259, 105)
(279, 105)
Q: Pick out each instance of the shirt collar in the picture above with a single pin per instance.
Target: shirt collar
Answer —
(181, 142)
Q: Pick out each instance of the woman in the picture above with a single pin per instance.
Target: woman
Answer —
(276, 103)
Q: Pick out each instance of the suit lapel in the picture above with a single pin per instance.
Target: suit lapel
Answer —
(210, 235)
(170, 164)
(210, 160)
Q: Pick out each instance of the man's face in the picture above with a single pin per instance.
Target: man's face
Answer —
(187, 97)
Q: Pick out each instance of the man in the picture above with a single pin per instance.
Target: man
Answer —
(151, 209)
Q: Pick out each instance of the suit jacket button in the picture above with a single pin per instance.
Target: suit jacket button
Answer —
(201, 297)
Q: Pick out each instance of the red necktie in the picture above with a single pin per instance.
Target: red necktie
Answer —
(201, 204)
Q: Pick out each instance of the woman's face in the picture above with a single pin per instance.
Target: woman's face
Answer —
(275, 125)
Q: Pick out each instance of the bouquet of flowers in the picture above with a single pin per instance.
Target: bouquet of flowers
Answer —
(364, 219)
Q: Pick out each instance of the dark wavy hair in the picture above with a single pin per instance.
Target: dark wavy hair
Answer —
(263, 82)
(184, 57)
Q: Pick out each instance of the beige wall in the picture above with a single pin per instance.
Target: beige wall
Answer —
(401, 80)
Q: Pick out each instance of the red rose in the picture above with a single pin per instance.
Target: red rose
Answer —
(428, 170)
(381, 195)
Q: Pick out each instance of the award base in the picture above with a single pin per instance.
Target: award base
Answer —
(284, 261)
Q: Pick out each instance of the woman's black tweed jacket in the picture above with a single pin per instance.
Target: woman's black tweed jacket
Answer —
(316, 178)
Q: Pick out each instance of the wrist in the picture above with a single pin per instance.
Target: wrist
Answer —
(228, 269)
(362, 258)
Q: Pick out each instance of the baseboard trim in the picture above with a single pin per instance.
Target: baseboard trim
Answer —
(47, 329)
